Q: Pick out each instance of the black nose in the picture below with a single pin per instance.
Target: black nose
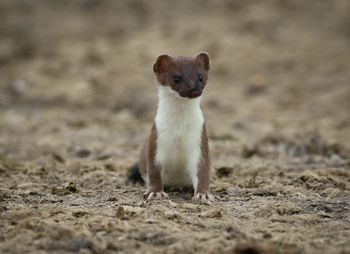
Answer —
(194, 93)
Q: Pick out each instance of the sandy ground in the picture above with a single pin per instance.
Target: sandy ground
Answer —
(78, 96)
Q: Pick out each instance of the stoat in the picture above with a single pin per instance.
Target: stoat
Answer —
(176, 152)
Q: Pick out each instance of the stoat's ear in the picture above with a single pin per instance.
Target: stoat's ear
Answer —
(204, 60)
(163, 63)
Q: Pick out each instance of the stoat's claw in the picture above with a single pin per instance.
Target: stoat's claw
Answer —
(202, 196)
(155, 195)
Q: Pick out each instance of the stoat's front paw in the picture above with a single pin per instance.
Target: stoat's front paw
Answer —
(155, 195)
(202, 196)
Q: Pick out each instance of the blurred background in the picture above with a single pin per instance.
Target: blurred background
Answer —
(78, 95)
(275, 65)
(272, 61)
(77, 75)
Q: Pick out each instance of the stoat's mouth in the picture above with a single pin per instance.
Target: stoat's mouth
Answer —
(191, 94)
(195, 93)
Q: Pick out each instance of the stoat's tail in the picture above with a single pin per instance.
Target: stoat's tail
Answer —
(134, 174)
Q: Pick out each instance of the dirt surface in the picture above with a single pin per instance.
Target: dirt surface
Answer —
(78, 96)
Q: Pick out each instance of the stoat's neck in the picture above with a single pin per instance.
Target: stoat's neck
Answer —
(177, 111)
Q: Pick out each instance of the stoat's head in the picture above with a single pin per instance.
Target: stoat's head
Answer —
(185, 75)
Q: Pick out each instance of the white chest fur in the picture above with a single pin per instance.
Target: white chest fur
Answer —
(179, 123)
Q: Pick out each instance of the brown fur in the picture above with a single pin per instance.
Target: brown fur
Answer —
(147, 161)
(204, 165)
(188, 69)
(185, 67)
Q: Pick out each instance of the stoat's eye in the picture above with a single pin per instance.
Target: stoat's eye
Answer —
(176, 79)
(200, 77)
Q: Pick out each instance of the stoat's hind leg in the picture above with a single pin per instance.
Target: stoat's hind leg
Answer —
(154, 178)
(200, 178)
(155, 195)
(200, 181)
(202, 196)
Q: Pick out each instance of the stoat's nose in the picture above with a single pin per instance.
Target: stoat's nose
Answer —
(194, 93)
